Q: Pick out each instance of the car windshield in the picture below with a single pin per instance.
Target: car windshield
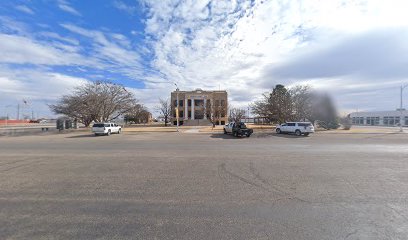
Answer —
(98, 125)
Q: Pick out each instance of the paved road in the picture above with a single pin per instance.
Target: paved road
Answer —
(202, 186)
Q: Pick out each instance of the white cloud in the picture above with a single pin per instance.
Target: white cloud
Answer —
(39, 86)
(207, 43)
(244, 47)
(109, 51)
(123, 7)
(25, 9)
(23, 50)
(113, 50)
(29, 59)
(65, 6)
(56, 36)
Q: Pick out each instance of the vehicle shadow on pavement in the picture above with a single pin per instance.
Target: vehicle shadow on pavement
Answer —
(272, 134)
(83, 136)
(225, 136)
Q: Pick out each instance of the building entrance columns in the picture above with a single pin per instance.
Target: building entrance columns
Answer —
(185, 108)
(205, 108)
(192, 108)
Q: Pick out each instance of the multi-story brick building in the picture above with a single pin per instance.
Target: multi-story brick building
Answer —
(200, 107)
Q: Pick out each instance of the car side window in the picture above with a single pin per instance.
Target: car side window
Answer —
(291, 124)
(283, 125)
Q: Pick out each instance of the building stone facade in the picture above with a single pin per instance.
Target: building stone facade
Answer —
(200, 107)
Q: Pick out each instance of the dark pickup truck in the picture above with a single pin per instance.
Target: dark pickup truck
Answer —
(238, 129)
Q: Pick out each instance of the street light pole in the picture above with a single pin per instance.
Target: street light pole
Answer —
(402, 89)
(177, 106)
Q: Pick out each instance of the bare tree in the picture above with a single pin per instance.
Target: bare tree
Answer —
(276, 106)
(165, 110)
(138, 114)
(215, 112)
(96, 101)
(302, 102)
(236, 115)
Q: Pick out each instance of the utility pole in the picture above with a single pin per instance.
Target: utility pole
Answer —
(18, 111)
(7, 114)
(402, 89)
(248, 115)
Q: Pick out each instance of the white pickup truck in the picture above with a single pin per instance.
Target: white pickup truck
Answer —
(106, 128)
(297, 128)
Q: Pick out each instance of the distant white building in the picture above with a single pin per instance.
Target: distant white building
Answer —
(383, 118)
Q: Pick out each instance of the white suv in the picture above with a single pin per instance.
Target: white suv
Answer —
(106, 128)
(297, 128)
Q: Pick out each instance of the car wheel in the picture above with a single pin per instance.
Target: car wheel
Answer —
(278, 131)
(298, 132)
(225, 131)
(119, 131)
(109, 133)
(96, 134)
(306, 134)
(248, 135)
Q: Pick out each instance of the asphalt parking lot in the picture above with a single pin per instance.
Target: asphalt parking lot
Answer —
(204, 186)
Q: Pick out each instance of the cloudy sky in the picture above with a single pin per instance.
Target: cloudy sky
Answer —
(357, 50)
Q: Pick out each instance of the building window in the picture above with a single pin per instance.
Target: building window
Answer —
(373, 120)
(181, 102)
(175, 103)
(189, 114)
(181, 114)
(222, 102)
(391, 121)
(353, 120)
(406, 121)
(217, 103)
(397, 121)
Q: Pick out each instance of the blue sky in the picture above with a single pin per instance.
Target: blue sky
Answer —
(354, 49)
